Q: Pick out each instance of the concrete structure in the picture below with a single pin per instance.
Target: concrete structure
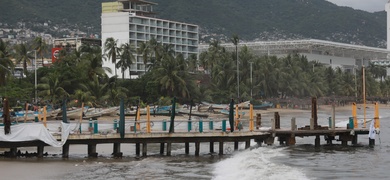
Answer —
(335, 54)
(133, 22)
(75, 43)
(387, 8)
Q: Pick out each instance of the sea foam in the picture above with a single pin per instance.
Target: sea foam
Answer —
(256, 164)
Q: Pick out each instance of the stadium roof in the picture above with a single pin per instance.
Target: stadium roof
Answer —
(312, 46)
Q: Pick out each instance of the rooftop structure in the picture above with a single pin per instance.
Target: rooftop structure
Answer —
(138, 7)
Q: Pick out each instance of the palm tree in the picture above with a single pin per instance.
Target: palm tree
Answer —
(22, 56)
(111, 50)
(144, 51)
(51, 87)
(171, 74)
(40, 46)
(98, 91)
(156, 50)
(6, 65)
(91, 61)
(192, 63)
(126, 58)
(83, 97)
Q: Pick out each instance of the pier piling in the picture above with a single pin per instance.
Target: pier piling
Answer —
(235, 145)
(13, 152)
(169, 148)
(197, 148)
(92, 150)
(247, 144)
(317, 141)
(211, 147)
(220, 148)
(355, 139)
(291, 140)
(162, 146)
(65, 150)
(187, 147)
(371, 142)
(137, 149)
(144, 149)
(117, 150)
(270, 140)
(40, 151)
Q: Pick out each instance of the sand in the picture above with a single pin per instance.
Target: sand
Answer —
(322, 108)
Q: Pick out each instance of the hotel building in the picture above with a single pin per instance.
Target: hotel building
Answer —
(133, 22)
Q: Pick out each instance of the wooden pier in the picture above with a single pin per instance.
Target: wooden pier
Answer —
(285, 136)
(165, 139)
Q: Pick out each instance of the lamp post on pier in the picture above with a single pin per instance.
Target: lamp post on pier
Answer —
(354, 68)
(251, 81)
(35, 72)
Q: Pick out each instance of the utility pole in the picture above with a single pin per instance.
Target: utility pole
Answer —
(355, 84)
(238, 77)
(251, 80)
(35, 69)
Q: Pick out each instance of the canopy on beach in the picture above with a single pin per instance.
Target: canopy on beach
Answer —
(35, 131)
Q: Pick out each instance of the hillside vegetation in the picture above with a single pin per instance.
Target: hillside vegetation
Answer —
(250, 19)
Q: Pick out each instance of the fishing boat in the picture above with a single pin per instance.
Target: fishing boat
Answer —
(193, 113)
(262, 106)
(112, 111)
(92, 113)
(226, 112)
(162, 111)
(24, 116)
(74, 113)
(54, 113)
(215, 106)
(98, 112)
(223, 106)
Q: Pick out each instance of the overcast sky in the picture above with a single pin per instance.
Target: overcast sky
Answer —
(366, 5)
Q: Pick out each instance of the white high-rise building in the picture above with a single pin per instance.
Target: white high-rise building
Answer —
(133, 22)
(387, 8)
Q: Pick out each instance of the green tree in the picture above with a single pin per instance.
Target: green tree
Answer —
(22, 56)
(91, 61)
(235, 40)
(6, 65)
(40, 46)
(192, 63)
(52, 89)
(98, 91)
(144, 51)
(170, 74)
(126, 58)
(112, 50)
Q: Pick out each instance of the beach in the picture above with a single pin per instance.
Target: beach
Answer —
(282, 111)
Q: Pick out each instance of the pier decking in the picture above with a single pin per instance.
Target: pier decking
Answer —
(131, 135)
(166, 139)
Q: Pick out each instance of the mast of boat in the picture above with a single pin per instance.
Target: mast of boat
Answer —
(364, 96)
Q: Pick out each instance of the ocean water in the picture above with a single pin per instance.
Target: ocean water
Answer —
(302, 161)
